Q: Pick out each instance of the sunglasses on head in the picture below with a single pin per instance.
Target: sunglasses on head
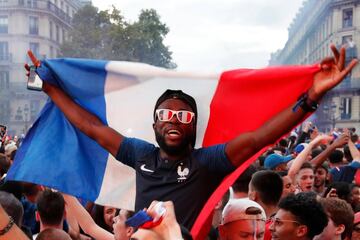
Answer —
(165, 115)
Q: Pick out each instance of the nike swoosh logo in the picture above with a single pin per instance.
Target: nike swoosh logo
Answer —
(143, 168)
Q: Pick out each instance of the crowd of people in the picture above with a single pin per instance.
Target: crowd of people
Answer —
(306, 186)
(303, 187)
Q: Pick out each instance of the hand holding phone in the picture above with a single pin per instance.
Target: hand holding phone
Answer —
(34, 82)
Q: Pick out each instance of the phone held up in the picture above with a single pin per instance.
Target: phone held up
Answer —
(34, 82)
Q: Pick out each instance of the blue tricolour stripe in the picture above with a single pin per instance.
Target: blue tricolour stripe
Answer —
(55, 153)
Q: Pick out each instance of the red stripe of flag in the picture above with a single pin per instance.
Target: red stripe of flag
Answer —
(244, 100)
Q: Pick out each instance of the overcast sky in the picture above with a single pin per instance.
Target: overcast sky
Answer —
(214, 35)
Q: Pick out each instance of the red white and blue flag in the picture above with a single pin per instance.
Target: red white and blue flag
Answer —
(123, 94)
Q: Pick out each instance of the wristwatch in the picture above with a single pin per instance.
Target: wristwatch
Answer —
(305, 103)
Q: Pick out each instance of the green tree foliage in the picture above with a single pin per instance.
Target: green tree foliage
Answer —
(106, 35)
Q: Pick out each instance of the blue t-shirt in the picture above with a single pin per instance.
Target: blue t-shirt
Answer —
(345, 173)
(188, 182)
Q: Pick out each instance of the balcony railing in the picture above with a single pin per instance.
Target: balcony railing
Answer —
(5, 59)
(37, 5)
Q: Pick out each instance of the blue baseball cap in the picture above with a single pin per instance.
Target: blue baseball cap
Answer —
(274, 160)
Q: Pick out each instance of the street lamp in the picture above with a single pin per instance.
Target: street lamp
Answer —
(330, 113)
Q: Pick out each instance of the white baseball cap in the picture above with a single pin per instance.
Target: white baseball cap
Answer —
(242, 209)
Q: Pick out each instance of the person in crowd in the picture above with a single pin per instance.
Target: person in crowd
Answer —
(4, 167)
(355, 197)
(300, 171)
(320, 179)
(339, 171)
(300, 217)
(288, 185)
(356, 228)
(53, 233)
(289, 177)
(305, 133)
(277, 162)
(242, 219)
(266, 188)
(12, 206)
(175, 119)
(30, 193)
(341, 218)
(8, 227)
(283, 143)
(340, 190)
(241, 185)
(50, 210)
(321, 157)
(305, 178)
(104, 216)
(336, 160)
(120, 230)
(168, 229)
(217, 216)
(10, 148)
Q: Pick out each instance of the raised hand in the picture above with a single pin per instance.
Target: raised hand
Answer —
(341, 140)
(34, 60)
(332, 72)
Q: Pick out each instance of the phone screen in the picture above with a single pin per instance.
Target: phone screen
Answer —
(34, 82)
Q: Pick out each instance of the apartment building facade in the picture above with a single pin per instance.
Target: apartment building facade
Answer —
(318, 24)
(41, 26)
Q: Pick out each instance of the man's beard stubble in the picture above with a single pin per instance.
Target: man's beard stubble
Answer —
(173, 150)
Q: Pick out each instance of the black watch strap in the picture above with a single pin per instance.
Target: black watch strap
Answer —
(306, 104)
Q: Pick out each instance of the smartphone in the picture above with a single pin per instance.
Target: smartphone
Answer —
(34, 82)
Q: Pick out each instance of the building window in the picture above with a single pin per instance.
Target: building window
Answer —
(19, 114)
(52, 51)
(63, 35)
(347, 18)
(3, 2)
(51, 29)
(34, 47)
(3, 24)
(346, 108)
(4, 80)
(34, 25)
(32, 3)
(346, 39)
(34, 109)
(4, 51)
(57, 33)
(67, 10)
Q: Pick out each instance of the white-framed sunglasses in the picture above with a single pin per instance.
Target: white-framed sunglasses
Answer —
(165, 115)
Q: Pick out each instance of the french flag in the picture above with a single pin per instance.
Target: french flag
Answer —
(123, 94)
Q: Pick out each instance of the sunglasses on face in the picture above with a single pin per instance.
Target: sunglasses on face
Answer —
(165, 115)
